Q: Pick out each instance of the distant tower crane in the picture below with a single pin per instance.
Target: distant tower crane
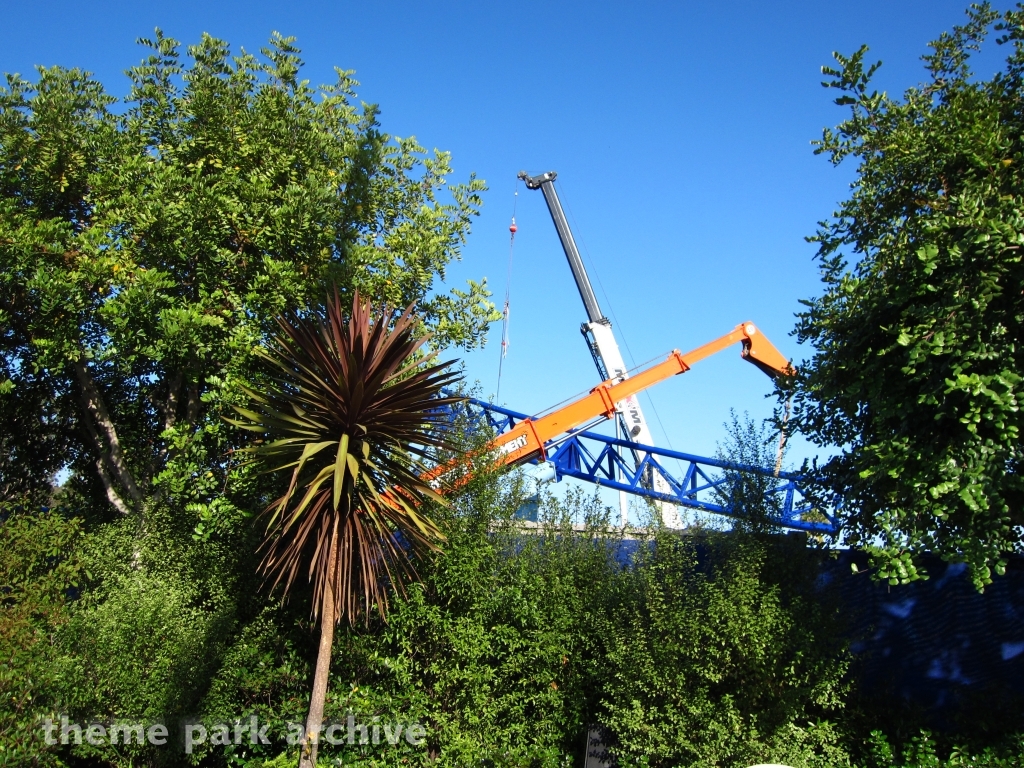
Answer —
(603, 347)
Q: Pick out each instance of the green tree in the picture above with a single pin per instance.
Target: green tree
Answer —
(145, 248)
(918, 346)
(751, 443)
(144, 251)
(352, 412)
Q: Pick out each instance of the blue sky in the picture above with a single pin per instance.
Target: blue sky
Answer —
(680, 132)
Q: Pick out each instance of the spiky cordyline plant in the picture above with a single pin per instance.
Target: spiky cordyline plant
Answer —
(352, 413)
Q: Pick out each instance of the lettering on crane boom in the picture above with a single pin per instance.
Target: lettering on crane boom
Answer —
(634, 415)
(514, 445)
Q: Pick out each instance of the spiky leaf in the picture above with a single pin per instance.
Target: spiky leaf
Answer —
(355, 384)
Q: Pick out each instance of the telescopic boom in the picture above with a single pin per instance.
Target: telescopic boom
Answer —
(601, 341)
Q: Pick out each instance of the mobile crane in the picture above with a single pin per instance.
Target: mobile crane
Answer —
(525, 439)
(528, 440)
(603, 347)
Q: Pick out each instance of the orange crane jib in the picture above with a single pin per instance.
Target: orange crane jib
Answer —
(526, 440)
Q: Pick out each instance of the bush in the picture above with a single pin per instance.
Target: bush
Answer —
(38, 570)
(151, 625)
(493, 653)
(711, 649)
(922, 752)
(724, 653)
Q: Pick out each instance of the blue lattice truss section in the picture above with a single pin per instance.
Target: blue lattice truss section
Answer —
(612, 463)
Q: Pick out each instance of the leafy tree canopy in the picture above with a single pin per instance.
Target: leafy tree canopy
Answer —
(916, 373)
(145, 247)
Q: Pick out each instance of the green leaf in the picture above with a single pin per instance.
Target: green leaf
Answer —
(340, 463)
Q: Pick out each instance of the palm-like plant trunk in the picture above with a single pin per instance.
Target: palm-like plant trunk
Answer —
(328, 618)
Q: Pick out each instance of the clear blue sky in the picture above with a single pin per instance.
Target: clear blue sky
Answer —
(680, 132)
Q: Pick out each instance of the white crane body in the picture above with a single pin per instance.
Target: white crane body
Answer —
(603, 348)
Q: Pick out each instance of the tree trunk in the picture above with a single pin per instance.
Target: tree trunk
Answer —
(170, 408)
(328, 618)
(192, 405)
(97, 418)
(101, 464)
(108, 486)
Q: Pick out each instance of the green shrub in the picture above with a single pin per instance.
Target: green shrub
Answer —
(922, 751)
(493, 653)
(725, 653)
(712, 649)
(38, 569)
(149, 629)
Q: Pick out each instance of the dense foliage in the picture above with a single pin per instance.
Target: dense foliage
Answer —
(725, 653)
(145, 252)
(517, 640)
(916, 370)
(38, 566)
(146, 249)
(716, 649)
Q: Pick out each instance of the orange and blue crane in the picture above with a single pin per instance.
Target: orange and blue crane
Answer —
(563, 438)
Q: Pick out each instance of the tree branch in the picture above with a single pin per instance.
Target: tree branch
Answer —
(101, 468)
(116, 501)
